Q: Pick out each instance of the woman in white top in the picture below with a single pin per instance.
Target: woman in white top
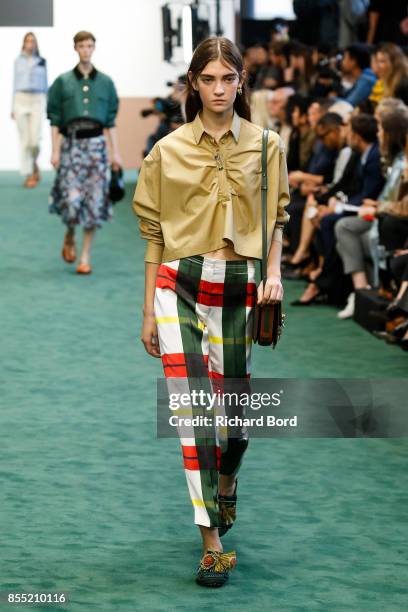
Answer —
(29, 98)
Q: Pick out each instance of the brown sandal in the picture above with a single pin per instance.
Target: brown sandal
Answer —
(68, 249)
(84, 268)
(31, 181)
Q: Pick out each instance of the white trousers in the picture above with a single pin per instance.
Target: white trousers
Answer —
(28, 111)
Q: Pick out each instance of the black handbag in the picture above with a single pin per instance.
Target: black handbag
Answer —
(116, 186)
(269, 319)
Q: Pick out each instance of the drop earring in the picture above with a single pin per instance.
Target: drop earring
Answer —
(239, 90)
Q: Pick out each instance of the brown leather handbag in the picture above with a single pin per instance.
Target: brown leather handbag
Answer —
(269, 319)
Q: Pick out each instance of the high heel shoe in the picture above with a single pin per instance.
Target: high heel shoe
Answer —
(399, 305)
(393, 308)
(300, 264)
(319, 298)
(401, 329)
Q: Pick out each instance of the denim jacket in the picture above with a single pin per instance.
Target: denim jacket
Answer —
(30, 74)
(362, 88)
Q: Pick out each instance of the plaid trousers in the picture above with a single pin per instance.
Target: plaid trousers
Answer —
(204, 309)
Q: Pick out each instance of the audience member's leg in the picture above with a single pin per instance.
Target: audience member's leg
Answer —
(332, 280)
(293, 227)
(349, 233)
(307, 231)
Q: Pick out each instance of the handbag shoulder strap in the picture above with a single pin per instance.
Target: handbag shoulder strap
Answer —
(264, 189)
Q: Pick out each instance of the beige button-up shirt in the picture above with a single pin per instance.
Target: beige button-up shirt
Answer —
(194, 194)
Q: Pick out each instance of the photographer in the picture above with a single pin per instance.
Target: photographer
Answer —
(170, 110)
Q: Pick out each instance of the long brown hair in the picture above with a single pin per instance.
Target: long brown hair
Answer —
(36, 50)
(395, 126)
(398, 67)
(210, 49)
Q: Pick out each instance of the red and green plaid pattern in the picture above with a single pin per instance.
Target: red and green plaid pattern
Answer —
(203, 310)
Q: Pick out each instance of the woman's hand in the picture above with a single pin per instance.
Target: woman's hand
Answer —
(116, 161)
(308, 187)
(273, 291)
(399, 252)
(366, 211)
(149, 337)
(55, 159)
(295, 177)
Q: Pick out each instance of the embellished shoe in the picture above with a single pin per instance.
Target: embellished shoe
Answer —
(68, 249)
(214, 567)
(227, 505)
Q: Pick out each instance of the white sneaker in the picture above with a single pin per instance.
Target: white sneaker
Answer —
(348, 310)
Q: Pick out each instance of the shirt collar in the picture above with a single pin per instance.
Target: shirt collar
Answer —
(198, 128)
(79, 74)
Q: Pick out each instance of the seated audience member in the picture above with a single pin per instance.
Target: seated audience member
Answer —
(254, 58)
(346, 178)
(377, 92)
(319, 172)
(392, 215)
(354, 242)
(321, 166)
(393, 234)
(277, 113)
(270, 76)
(391, 68)
(327, 83)
(387, 105)
(320, 55)
(259, 104)
(299, 72)
(356, 68)
(361, 179)
(316, 110)
(342, 108)
(302, 137)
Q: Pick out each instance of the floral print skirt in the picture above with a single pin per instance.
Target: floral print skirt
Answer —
(80, 193)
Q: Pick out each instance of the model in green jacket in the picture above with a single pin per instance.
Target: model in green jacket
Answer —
(82, 106)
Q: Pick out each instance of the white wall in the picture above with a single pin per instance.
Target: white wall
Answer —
(128, 48)
(265, 9)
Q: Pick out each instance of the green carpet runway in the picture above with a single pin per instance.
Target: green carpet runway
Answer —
(94, 505)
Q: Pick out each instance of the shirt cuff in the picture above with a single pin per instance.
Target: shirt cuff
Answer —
(154, 252)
